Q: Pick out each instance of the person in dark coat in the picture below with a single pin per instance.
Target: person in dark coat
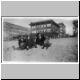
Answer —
(46, 43)
(40, 39)
(22, 42)
(30, 42)
(37, 38)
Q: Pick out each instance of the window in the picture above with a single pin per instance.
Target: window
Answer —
(48, 25)
(42, 26)
(33, 31)
(44, 30)
(45, 25)
(33, 27)
(48, 30)
(37, 31)
(36, 26)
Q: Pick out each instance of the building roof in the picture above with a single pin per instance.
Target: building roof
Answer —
(61, 24)
(43, 22)
(14, 26)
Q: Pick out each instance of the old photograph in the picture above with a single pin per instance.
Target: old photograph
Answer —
(39, 39)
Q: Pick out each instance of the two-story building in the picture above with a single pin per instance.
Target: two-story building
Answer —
(47, 27)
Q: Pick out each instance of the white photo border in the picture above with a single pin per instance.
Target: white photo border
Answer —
(17, 62)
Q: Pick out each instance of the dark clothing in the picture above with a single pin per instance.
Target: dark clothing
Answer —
(46, 43)
(22, 42)
(30, 43)
(40, 41)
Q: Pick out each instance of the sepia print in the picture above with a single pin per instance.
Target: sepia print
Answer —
(40, 39)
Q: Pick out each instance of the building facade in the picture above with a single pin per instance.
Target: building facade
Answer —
(12, 30)
(46, 27)
(62, 30)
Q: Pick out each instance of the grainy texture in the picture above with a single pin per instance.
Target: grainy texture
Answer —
(26, 71)
(61, 50)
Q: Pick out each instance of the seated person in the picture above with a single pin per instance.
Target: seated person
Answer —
(46, 43)
(40, 39)
(22, 42)
(30, 42)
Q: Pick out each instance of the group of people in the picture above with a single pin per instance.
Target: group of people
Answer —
(27, 42)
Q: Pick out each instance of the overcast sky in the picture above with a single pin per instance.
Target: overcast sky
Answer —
(25, 21)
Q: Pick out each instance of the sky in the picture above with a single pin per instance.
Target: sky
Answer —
(25, 21)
